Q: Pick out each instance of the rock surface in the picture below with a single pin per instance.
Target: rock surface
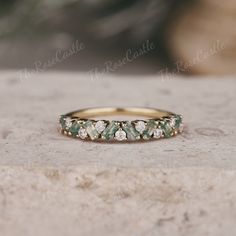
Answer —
(53, 185)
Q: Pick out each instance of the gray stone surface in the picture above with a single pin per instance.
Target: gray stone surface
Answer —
(117, 201)
(53, 185)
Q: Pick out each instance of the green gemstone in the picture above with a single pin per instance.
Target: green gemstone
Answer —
(91, 130)
(65, 121)
(166, 128)
(110, 130)
(150, 127)
(178, 121)
(74, 129)
(132, 133)
(62, 121)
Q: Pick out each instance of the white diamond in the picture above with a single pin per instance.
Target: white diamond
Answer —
(100, 126)
(181, 128)
(140, 126)
(120, 135)
(157, 133)
(172, 122)
(82, 133)
(68, 122)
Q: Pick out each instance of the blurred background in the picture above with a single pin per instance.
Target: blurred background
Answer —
(196, 37)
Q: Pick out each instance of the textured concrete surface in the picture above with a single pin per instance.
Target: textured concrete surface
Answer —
(97, 201)
(53, 185)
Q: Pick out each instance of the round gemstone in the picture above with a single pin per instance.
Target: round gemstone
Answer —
(82, 133)
(172, 122)
(68, 122)
(120, 135)
(100, 126)
(181, 128)
(157, 133)
(140, 126)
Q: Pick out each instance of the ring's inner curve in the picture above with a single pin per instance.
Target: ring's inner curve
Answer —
(110, 111)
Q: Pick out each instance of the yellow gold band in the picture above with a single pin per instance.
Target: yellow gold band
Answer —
(110, 111)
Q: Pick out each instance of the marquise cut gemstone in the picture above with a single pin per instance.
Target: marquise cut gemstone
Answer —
(82, 133)
(140, 126)
(68, 122)
(100, 126)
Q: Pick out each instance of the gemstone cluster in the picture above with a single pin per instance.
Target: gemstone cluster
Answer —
(121, 130)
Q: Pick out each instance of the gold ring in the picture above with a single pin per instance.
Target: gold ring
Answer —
(84, 124)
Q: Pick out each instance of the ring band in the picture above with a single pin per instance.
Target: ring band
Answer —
(160, 124)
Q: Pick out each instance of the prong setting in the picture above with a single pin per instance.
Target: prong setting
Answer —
(110, 130)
